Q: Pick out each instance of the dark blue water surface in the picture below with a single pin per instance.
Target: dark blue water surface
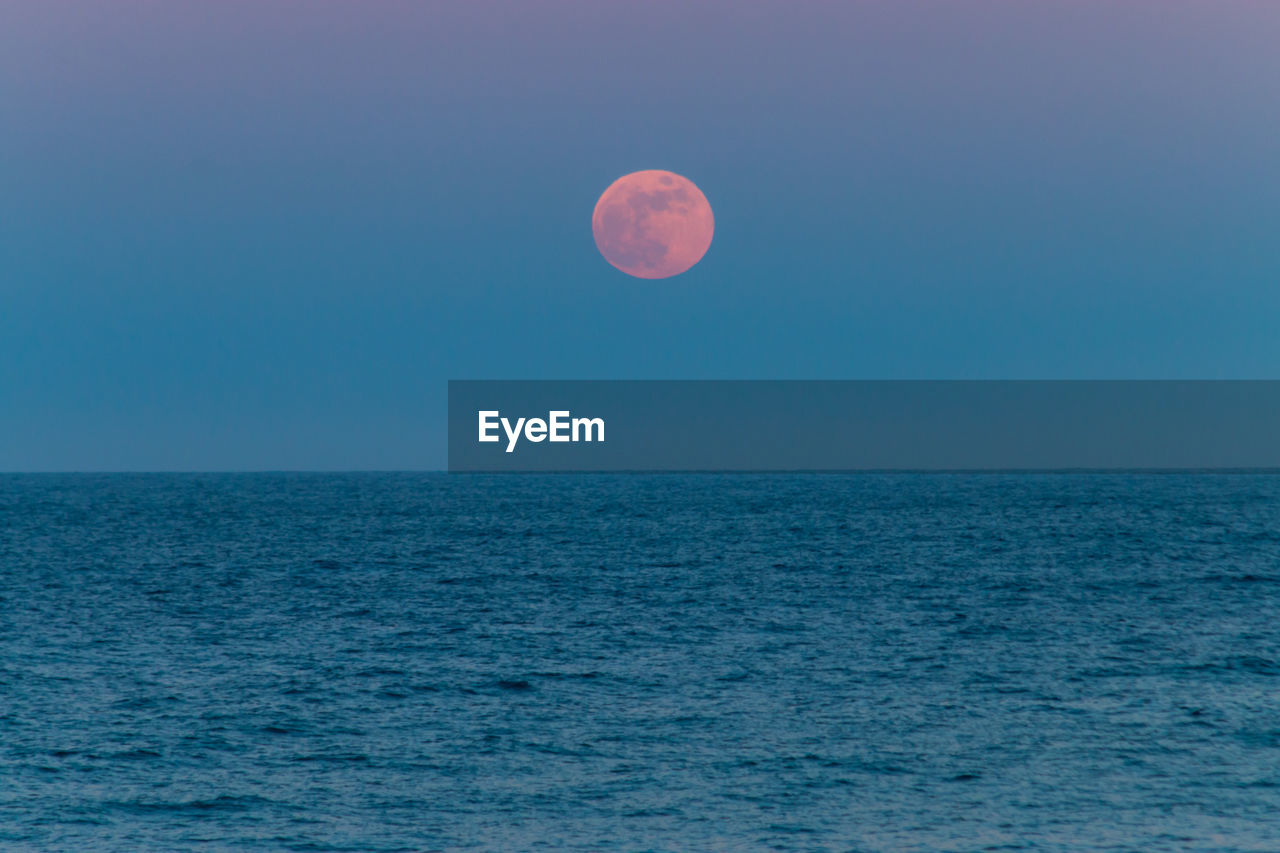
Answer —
(685, 662)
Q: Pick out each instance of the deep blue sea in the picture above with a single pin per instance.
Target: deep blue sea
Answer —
(379, 662)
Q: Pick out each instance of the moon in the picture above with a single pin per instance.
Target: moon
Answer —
(653, 224)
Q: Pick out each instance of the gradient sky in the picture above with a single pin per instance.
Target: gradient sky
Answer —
(262, 235)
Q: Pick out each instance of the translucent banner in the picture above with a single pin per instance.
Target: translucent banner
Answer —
(625, 425)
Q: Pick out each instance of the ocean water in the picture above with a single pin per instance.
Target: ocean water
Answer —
(376, 662)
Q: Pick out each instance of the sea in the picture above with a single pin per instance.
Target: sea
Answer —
(669, 662)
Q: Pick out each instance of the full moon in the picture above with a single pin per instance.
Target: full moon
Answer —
(653, 224)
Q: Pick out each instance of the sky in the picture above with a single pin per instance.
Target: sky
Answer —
(263, 235)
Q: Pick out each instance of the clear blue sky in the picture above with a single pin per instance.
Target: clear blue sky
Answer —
(262, 235)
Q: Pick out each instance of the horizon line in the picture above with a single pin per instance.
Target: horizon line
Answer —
(562, 471)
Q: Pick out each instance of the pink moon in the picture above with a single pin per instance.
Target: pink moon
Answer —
(653, 224)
